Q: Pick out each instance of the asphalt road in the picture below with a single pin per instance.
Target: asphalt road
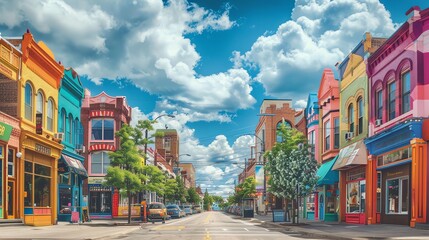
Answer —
(209, 226)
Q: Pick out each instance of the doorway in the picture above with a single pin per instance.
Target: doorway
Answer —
(11, 199)
(321, 207)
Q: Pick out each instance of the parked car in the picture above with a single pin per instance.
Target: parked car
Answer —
(187, 209)
(175, 211)
(196, 209)
(157, 211)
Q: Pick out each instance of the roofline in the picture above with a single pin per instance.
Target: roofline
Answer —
(17, 49)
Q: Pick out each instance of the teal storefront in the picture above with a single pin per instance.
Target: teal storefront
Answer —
(326, 197)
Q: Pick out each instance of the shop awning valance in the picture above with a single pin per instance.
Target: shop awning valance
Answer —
(326, 174)
(350, 156)
(74, 165)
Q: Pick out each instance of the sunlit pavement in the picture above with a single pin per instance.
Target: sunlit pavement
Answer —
(210, 226)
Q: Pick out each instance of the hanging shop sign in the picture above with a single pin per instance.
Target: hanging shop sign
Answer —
(5, 131)
(39, 121)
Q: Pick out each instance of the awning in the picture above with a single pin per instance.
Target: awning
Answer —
(74, 165)
(350, 156)
(326, 174)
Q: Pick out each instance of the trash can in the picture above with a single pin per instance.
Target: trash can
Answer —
(278, 215)
(248, 213)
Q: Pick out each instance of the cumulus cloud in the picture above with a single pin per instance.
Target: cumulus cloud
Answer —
(319, 34)
(143, 41)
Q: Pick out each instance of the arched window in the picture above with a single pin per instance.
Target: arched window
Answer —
(360, 115)
(76, 132)
(62, 127)
(50, 118)
(70, 129)
(28, 102)
(406, 91)
(351, 118)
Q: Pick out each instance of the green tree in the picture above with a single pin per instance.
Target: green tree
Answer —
(140, 134)
(181, 192)
(154, 179)
(246, 189)
(193, 196)
(218, 199)
(124, 172)
(292, 170)
(208, 201)
(170, 189)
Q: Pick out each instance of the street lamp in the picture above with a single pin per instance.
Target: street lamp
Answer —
(146, 133)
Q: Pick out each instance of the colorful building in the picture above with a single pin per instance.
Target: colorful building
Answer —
(38, 100)
(397, 181)
(10, 70)
(312, 120)
(101, 117)
(71, 171)
(352, 158)
(326, 206)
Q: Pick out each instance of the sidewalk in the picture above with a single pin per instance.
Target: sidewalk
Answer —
(337, 230)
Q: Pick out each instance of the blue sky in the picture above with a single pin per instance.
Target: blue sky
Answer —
(209, 62)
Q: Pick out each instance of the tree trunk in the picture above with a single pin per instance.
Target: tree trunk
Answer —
(129, 206)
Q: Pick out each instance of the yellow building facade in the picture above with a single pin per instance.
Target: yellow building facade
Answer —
(38, 110)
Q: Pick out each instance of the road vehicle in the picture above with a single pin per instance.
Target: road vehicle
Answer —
(175, 211)
(157, 211)
(187, 209)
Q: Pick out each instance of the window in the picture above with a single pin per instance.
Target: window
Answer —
(327, 135)
(312, 142)
(406, 89)
(50, 117)
(397, 196)
(11, 163)
(102, 129)
(360, 115)
(378, 192)
(39, 104)
(37, 184)
(336, 133)
(70, 129)
(28, 102)
(100, 199)
(167, 143)
(379, 105)
(351, 118)
(392, 99)
(62, 125)
(65, 200)
(99, 162)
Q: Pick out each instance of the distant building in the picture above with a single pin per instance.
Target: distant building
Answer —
(188, 174)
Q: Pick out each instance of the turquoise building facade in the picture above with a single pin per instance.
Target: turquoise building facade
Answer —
(71, 170)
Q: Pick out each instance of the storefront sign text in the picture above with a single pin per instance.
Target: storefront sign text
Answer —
(42, 149)
(392, 174)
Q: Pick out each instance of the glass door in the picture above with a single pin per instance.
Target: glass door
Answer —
(11, 199)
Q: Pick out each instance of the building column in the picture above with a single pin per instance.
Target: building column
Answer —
(418, 181)
(316, 206)
(343, 199)
(371, 190)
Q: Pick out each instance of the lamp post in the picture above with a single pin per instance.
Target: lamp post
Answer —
(146, 134)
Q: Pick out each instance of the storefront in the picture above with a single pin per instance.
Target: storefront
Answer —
(100, 199)
(326, 208)
(351, 163)
(8, 168)
(398, 171)
(71, 174)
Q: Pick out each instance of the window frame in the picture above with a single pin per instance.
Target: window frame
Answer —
(327, 135)
(50, 120)
(41, 103)
(360, 111)
(405, 95)
(379, 104)
(350, 118)
(28, 109)
(391, 100)
(102, 129)
(336, 133)
(400, 197)
(103, 162)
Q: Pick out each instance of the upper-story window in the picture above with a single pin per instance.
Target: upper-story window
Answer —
(100, 161)
(391, 100)
(360, 115)
(351, 118)
(406, 90)
(336, 133)
(40, 100)
(62, 125)
(50, 115)
(312, 142)
(102, 129)
(70, 129)
(28, 102)
(379, 105)
(327, 130)
(167, 143)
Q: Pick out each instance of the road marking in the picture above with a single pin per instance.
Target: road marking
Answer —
(169, 228)
(246, 229)
(224, 229)
(267, 230)
(207, 219)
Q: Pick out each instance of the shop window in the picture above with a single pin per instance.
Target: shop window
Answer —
(11, 163)
(65, 200)
(331, 199)
(356, 197)
(99, 162)
(406, 90)
(391, 100)
(40, 99)
(64, 178)
(28, 102)
(310, 203)
(397, 196)
(336, 133)
(100, 200)
(102, 129)
(327, 131)
(37, 185)
(360, 115)
(379, 105)
(351, 118)
(50, 116)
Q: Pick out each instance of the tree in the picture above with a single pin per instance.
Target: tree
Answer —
(246, 189)
(124, 172)
(181, 193)
(208, 201)
(193, 196)
(218, 199)
(140, 139)
(292, 170)
(170, 189)
(154, 179)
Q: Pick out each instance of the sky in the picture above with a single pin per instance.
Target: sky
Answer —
(208, 62)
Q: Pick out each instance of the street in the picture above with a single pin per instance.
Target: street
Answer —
(208, 226)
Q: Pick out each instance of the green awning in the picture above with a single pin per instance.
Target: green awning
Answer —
(326, 174)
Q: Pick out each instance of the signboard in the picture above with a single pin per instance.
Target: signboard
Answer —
(259, 177)
(42, 149)
(5, 131)
(39, 121)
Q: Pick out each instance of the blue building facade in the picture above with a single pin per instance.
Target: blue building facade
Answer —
(71, 170)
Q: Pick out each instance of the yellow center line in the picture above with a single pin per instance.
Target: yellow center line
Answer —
(207, 219)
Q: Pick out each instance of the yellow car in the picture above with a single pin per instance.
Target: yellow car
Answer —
(157, 211)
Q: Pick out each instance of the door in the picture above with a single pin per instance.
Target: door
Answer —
(321, 207)
(11, 199)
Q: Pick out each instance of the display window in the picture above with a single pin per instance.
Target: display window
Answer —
(397, 196)
(37, 184)
(65, 200)
(100, 200)
(356, 197)
(310, 205)
(331, 199)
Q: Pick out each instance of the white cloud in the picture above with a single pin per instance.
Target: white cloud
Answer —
(319, 34)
